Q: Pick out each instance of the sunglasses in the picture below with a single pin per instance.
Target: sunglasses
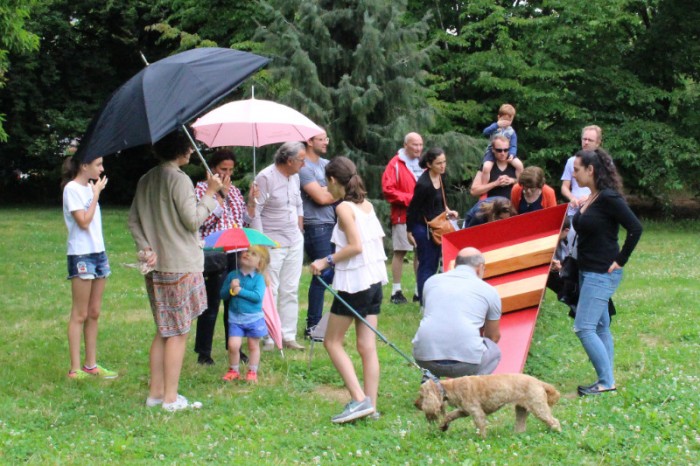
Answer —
(501, 150)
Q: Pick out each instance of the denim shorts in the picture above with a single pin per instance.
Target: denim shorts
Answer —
(256, 329)
(89, 266)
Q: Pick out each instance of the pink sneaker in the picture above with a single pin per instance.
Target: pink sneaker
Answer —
(251, 377)
(231, 375)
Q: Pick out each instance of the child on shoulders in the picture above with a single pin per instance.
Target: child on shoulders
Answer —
(502, 127)
(245, 288)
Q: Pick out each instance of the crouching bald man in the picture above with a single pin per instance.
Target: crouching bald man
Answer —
(460, 328)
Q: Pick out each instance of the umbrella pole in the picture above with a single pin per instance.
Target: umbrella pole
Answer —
(201, 157)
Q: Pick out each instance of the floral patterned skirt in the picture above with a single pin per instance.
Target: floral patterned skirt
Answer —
(176, 300)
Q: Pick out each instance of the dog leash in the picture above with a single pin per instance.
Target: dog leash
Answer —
(426, 373)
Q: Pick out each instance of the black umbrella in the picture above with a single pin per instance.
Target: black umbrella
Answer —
(164, 96)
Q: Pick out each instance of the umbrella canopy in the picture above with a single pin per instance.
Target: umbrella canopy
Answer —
(234, 239)
(164, 96)
(253, 123)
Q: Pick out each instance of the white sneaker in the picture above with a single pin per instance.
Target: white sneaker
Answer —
(181, 403)
(153, 402)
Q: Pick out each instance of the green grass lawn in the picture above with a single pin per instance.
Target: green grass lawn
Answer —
(47, 418)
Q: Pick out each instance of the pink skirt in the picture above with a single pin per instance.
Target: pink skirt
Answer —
(176, 300)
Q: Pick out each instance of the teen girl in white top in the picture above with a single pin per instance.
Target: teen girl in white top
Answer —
(360, 272)
(88, 266)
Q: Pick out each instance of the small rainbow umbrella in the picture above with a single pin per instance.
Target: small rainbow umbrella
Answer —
(236, 239)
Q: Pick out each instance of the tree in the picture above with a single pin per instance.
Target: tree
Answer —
(358, 68)
(14, 38)
(567, 64)
(86, 51)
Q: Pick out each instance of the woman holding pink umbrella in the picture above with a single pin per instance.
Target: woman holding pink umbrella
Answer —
(232, 211)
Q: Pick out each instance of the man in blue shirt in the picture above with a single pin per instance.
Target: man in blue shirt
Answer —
(319, 220)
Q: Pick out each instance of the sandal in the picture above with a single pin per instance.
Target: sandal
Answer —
(586, 387)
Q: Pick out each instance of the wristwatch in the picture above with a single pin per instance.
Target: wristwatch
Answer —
(329, 259)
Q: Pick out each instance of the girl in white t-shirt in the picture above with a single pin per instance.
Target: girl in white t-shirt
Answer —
(88, 266)
(360, 272)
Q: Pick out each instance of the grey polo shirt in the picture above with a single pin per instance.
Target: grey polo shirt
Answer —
(315, 214)
(457, 304)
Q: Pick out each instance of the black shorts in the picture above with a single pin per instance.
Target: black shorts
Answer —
(365, 302)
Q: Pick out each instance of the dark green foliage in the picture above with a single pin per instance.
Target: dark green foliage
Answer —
(13, 38)
(358, 68)
(372, 70)
(568, 64)
(87, 50)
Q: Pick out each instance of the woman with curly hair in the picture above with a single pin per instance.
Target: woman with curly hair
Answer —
(600, 259)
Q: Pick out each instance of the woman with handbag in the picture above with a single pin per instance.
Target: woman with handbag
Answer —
(428, 216)
(232, 211)
(600, 259)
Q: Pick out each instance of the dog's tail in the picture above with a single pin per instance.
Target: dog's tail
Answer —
(552, 394)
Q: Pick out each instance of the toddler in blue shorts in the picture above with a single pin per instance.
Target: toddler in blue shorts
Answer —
(244, 289)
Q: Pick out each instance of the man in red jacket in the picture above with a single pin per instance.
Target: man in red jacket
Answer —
(398, 183)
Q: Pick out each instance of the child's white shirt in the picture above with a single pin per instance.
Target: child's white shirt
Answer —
(78, 197)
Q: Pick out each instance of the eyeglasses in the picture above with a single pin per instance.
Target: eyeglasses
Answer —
(321, 139)
(298, 159)
(496, 149)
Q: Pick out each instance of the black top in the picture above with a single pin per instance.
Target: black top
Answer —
(598, 229)
(503, 191)
(427, 201)
(524, 207)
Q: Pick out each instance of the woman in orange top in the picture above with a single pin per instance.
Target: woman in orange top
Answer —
(531, 193)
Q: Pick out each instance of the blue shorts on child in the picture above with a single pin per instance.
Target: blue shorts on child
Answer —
(88, 266)
(255, 329)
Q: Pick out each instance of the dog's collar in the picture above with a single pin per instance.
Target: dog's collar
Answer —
(443, 392)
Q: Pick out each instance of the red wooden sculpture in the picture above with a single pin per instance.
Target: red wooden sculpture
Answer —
(518, 254)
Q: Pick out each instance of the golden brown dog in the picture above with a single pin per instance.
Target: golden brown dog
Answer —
(480, 395)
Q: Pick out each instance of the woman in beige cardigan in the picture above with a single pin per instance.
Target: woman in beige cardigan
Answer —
(164, 220)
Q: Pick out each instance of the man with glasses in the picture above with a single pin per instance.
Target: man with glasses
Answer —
(461, 324)
(502, 175)
(319, 220)
(279, 214)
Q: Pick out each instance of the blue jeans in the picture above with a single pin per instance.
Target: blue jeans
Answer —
(317, 244)
(592, 322)
(428, 255)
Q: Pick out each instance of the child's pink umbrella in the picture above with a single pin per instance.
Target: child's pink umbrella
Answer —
(272, 318)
